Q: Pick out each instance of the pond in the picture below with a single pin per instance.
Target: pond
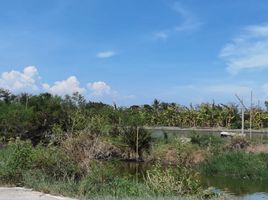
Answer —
(237, 188)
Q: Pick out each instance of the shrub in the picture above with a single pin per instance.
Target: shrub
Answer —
(97, 179)
(129, 137)
(54, 162)
(15, 159)
(238, 143)
(40, 181)
(178, 152)
(177, 181)
(80, 147)
(20, 156)
(214, 144)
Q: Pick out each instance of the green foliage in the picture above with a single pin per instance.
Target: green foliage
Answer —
(35, 117)
(184, 152)
(20, 156)
(238, 143)
(205, 140)
(102, 181)
(130, 136)
(55, 162)
(237, 164)
(15, 159)
(15, 120)
(179, 181)
(49, 169)
(40, 181)
(54, 124)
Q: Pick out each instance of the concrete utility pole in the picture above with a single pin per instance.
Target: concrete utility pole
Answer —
(243, 108)
(137, 144)
(250, 123)
(243, 120)
(27, 99)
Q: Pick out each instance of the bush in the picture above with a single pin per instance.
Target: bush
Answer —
(238, 143)
(205, 140)
(40, 181)
(54, 162)
(179, 181)
(96, 181)
(80, 147)
(102, 181)
(15, 159)
(129, 137)
(20, 157)
(178, 152)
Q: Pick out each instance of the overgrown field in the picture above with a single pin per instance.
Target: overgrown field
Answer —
(68, 145)
(83, 166)
(52, 169)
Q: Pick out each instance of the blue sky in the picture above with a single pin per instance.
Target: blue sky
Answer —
(132, 51)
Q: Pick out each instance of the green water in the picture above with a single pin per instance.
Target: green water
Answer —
(237, 188)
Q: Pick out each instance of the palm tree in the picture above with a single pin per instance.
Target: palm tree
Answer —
(129, 137)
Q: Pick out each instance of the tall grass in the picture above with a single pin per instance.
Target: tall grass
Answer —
(237, 164)
(51, 170)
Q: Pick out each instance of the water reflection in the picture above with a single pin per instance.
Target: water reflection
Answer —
(238, 188)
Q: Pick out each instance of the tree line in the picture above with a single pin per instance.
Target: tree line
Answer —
(44, 117)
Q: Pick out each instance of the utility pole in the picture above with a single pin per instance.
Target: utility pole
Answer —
(250, 123)
(137, 144)
(27, 99)
(243, 120)
(243, 108)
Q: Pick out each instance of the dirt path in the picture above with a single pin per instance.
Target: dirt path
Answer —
(26, 194)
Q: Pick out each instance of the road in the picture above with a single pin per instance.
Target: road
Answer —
(26, 194)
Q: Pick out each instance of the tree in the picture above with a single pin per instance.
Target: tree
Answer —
(129, 137)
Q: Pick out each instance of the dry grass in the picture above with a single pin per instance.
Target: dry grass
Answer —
(178, 153)
(85, 147)
(258, 148)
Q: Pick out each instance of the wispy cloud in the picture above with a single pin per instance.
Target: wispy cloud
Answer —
(189, 22)
(161, 35)
(227, 89)
(207, 92)
(247, 51)
(106, 54)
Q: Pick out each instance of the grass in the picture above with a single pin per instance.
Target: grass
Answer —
(52, 170)
(237, 164)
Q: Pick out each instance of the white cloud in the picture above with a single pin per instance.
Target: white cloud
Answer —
(16, 81)
(68, 86)
(189, 22)
(161, 35)
(99, 88)
(249, 50)
(105, 54)
(29, 81)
